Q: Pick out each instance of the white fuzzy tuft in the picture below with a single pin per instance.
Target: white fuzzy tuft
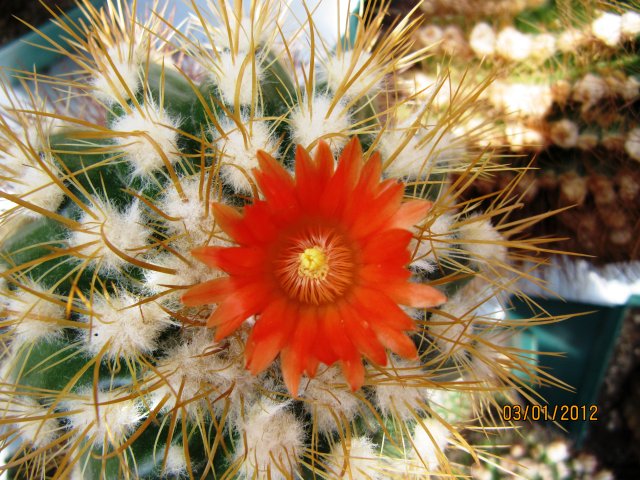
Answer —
(33, 422)
(589, 90)
(513, 45)
(361, 461)
(236, 74)
(452, 327)
(154, 137)
(176, 463)
(519, 136)
(570, 40)
(630, 24)
(125, 231)
(429, 442)
(272, 442)
(201, 366)
(329, 400)
(564, 133)
(489, 363)
(36, 318)
(483, 39)
(632, 144)
(186, 274)
(34, 184)
(416, 152)
(400, 393)
(360, 71)
(311, 122)
(544, 46)
(123, 330)
(523, 100)
(434, 243)
(112, 87)
(193, 214)
(240, 158)
(607, 28)
(114, 419)
(482, 241)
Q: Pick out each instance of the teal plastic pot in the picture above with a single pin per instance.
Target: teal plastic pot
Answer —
(584, 346)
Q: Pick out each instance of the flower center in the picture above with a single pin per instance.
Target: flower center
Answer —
(313, 263)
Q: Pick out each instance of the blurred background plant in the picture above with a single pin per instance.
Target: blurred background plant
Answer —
(109, 164)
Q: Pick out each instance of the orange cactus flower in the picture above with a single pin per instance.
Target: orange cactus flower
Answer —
(321, 263)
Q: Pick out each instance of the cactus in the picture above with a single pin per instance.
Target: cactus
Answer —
(564, 105)
(159, 163)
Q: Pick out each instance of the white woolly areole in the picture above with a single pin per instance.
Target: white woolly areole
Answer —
(36, 318)
(400, 393)
(239, 154)
(186, 274)
(329, 400)
(176, 463)
(154, 137)
(112, 87)
(359, 70)
(361, 461)
(607, 28)
(483, 39)
(236, 73)
(311, 122)
(430, 442)
(523, 100)
(632, 144)
(630, 24)
(125, 231)
(570, 40)
(544, 46)
(434, 243)
(122, 329)
(271, 442)
(513, 45)
(32, 421)
(199, 366)
(589, 90)
(115, 418)
(192, 213)
(482, 241)
(416, 153)
(564, 133)
(519, 135)
(35, 185)
(452, 326)
(487, 362)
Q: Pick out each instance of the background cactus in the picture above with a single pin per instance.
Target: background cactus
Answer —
(564, 105)
(106, 374)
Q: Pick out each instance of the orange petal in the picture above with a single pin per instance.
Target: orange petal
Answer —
(231, 222)
(380, 309)
(363, 337)
(353, 371)
(416, 295)
(396, 341)
(410, 213)
(276, 183)
(213, 291)
(291, 366)
(233, 260)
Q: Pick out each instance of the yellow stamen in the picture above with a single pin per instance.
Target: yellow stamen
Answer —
(313, 263)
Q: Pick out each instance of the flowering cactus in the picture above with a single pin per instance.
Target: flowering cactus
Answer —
(241, 257)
